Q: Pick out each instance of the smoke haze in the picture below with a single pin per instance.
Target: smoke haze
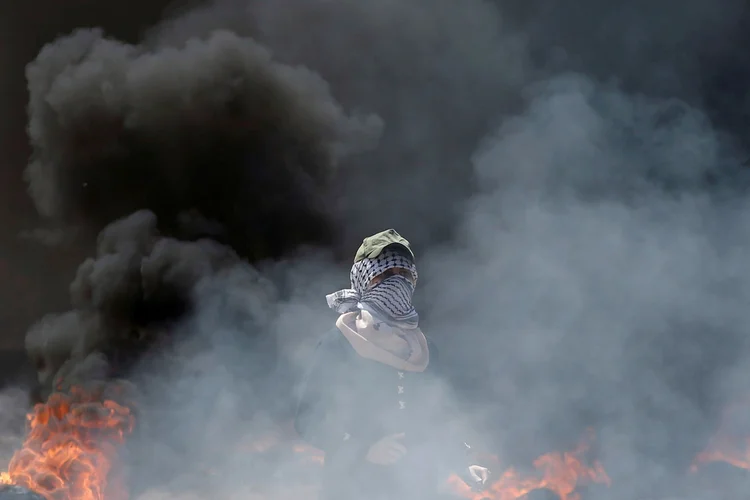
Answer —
(573, 180)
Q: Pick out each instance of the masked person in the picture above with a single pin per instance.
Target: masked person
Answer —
(372, 397)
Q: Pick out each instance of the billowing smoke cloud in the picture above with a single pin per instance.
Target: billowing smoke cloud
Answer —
(215, 126)
(595, 276)
(192, 324)
(423, 66)
(602, 282)
(230, 155)
(137, 284)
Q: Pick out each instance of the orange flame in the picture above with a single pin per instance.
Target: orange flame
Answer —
(730, 443)
(71, 447)
(70, 453)
(282, 437)
(558, 472)
(312, 455)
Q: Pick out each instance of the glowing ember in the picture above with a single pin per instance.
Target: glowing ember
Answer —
(71, 448)
(558, 472)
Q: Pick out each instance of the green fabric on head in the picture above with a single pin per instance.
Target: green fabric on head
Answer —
(372, 246)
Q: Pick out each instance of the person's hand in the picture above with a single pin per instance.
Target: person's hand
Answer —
(479, 474)
(387, 451)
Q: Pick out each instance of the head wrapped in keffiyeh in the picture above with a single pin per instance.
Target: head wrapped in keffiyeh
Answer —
(390, 299)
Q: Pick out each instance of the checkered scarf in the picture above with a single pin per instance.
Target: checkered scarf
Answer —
(390, 300)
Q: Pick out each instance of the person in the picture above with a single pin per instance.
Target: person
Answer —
(372, 398)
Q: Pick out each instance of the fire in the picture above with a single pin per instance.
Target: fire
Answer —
(557, 472)
(280, 438)
(71, 447)
(70, 453)
(730, 443)
(312, 455)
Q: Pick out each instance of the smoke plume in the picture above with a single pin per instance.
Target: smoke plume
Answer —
(602, 281)
(575, 195)
(189, 160)
(216, 127)
(423, 66)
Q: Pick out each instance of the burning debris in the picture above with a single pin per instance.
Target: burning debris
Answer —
(560, 473)
(135, 297)
(71, 454)
(731, 442)
(71, 448)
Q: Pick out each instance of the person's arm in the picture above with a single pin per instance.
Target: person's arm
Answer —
(321, 418)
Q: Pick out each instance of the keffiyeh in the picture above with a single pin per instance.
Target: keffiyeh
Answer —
(389, 300)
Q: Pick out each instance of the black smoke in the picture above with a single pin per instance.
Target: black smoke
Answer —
(189, 162)
(582, 164)
(422, 66)
(214, 135)
(161, 312)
